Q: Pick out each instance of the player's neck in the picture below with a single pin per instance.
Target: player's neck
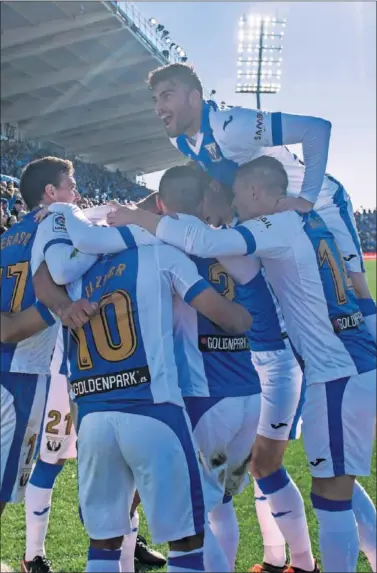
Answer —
(193, 129)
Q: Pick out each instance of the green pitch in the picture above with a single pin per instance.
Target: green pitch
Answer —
(67, 543)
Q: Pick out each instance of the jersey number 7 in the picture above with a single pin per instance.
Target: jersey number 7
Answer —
(19, 272)
(114, 337)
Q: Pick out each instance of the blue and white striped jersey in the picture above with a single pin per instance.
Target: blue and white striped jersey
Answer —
(232, 137)
(125, 355)
(303, 272)
(18, 261)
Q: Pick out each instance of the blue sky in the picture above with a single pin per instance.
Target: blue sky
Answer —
(329, 70)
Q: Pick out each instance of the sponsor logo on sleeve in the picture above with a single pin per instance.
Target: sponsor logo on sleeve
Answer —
(58, 224)
(259, 128)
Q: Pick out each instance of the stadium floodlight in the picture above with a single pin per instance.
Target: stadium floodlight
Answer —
(259, 55)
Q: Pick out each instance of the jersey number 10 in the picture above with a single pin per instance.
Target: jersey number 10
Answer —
(109, 347)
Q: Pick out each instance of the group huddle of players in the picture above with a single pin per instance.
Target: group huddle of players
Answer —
(198, 331)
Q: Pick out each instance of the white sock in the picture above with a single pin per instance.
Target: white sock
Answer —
(273, 540)
(365, 514)
(127, 563)
(103, 561)
(185, 561)
(287, 507)
(224, 525)
(215, 558)
(338, 536)
(37, 506)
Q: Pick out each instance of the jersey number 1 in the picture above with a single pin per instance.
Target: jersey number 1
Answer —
(339, 273)
(19, 271)
(106, 346)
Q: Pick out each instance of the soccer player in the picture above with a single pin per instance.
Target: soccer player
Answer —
(281, 379)
(132, 426)
(25, 365)
(224, 408)
(306, 271)
(221, 140)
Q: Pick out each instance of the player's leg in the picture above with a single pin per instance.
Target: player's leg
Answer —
(338, 432)
(245, 412)
(23, 397)
(106, 489)
(279, 504)
(161, 455)
(340, 220)
(137, 544)
(57, 443)
(214, 428)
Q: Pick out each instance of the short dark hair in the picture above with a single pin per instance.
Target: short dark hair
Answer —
(178, 193)
(269, 171)
(39, 173)
(180, 73)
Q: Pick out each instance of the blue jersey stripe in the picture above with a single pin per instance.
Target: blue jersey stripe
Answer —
(249, 238)
(56, 242)
(276, 129)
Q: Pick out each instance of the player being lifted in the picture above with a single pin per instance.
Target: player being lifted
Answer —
(221, 140)
(306, 271)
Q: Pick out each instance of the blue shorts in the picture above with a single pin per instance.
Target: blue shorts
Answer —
(23, 399)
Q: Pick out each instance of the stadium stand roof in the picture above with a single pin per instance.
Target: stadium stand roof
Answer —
(73, 73)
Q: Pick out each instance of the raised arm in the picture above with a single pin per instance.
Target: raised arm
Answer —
(93, 239)
(250, 128)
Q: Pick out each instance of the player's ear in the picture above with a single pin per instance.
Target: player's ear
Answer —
(160, 205)
(50, 192)
(195, 99)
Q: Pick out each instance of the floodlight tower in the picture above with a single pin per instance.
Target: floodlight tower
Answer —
(259, 55)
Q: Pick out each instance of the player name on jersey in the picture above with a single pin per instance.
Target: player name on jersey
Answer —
(120, 380)
(222, 342)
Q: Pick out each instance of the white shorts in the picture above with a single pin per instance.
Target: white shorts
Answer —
(338, 426)
(23, 399)
(225, 431)
(58, 435)
(281, 381)
(340, 219)
(151, 450)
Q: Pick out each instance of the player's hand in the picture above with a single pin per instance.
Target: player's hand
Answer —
(42, 214)
(78, 313)
(123, 216)
(294, 204)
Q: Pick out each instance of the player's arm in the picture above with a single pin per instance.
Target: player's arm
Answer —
(53, 244)
(55, 298)
(194, 290)
(192, 236)
(94, 239)
(253, 128)
(17, 326)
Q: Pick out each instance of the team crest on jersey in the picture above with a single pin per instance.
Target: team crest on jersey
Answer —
(213, 150)
(53, 444)
(24, 477)
(58, 224)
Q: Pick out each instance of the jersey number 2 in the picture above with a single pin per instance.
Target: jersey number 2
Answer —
(216, 272)
(109, 347)
(19, 271)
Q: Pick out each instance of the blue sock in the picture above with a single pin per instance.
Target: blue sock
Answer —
(338, 535)
(103, 560)
(185, 561)
(44, 475)
(369, 312)
(365, 514)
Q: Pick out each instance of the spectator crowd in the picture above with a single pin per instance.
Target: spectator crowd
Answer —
(97, 185)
